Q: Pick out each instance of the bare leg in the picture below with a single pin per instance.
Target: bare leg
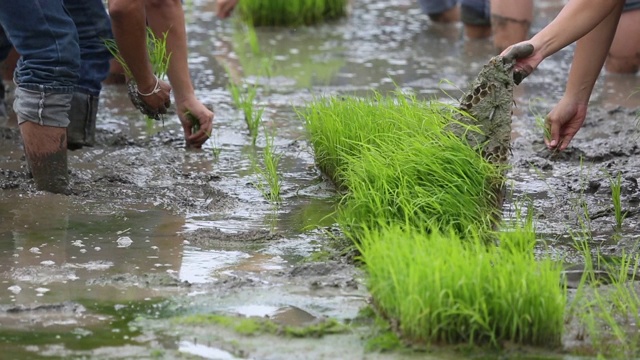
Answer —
(475, 16)
(510, 20)
(624, 54)
(9, 65)
(448, 16)
(46, 150)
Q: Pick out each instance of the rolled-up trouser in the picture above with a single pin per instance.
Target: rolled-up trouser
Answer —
(62, 51)
(474, 12)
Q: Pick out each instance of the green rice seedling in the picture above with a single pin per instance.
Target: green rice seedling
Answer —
(540, 119)
(252, 39)
(215, 148)
(291, 12)
(610, 312)
(398, 163)
(195, 122)
(269, 171)
(158, 56)
(236, 95)
(306, 64)
(243, 98)
(252, 116)
(616, 186)
(440, 289)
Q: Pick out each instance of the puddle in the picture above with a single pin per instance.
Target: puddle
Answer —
(151, 225)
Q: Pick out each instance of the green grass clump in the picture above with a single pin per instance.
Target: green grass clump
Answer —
(440, 289)
(608, 307)
(290, 12)
(400, 165)
(245, 101)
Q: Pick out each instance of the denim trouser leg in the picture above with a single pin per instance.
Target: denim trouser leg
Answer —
(432, 7)
(93, 26)
(45, 36)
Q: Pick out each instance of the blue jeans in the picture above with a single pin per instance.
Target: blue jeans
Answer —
(432, 7)
(62, 51)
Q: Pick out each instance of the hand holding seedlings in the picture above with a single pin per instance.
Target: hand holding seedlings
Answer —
(196, 120)
(594, 27)
(153, 102)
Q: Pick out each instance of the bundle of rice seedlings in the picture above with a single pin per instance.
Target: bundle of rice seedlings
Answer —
(290, 12)
(438, 289)
(398, 163)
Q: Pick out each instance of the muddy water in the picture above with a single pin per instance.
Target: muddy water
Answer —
(153, 231)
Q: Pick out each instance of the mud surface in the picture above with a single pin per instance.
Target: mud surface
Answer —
(153, 231)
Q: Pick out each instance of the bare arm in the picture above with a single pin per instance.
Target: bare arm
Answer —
(574, 21)
(167, 16)
(128, 21)
(129, 30)
(590, 54)
(569, 114)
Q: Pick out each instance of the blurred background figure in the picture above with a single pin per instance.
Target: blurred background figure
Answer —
(624, 53)
(508, 20)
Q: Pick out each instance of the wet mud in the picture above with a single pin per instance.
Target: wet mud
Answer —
(153, 231)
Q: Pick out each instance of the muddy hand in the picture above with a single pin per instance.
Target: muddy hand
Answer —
(152, 103)
(191, 112)
(516, 55)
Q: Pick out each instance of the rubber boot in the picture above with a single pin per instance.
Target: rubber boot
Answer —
(82, 121)
(46, 150)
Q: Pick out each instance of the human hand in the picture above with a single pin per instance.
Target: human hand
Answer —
(151, 101)
(563, 122)
(225, 7)
(524, 57)
(190, 109)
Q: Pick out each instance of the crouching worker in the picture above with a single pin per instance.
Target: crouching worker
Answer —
(60, 40)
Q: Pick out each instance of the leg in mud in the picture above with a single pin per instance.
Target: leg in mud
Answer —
(475, 15)
(94, 26)
(442, 11)
(624, 53)
(510, 22)
(45, 76)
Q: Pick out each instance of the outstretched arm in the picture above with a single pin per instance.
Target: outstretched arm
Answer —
(569, 114)
(167, 16)
(575, 20)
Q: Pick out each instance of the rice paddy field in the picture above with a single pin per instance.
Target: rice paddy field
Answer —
(332, 215)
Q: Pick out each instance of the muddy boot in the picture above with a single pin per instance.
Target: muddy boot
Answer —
(46, 150)
(82, 116)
